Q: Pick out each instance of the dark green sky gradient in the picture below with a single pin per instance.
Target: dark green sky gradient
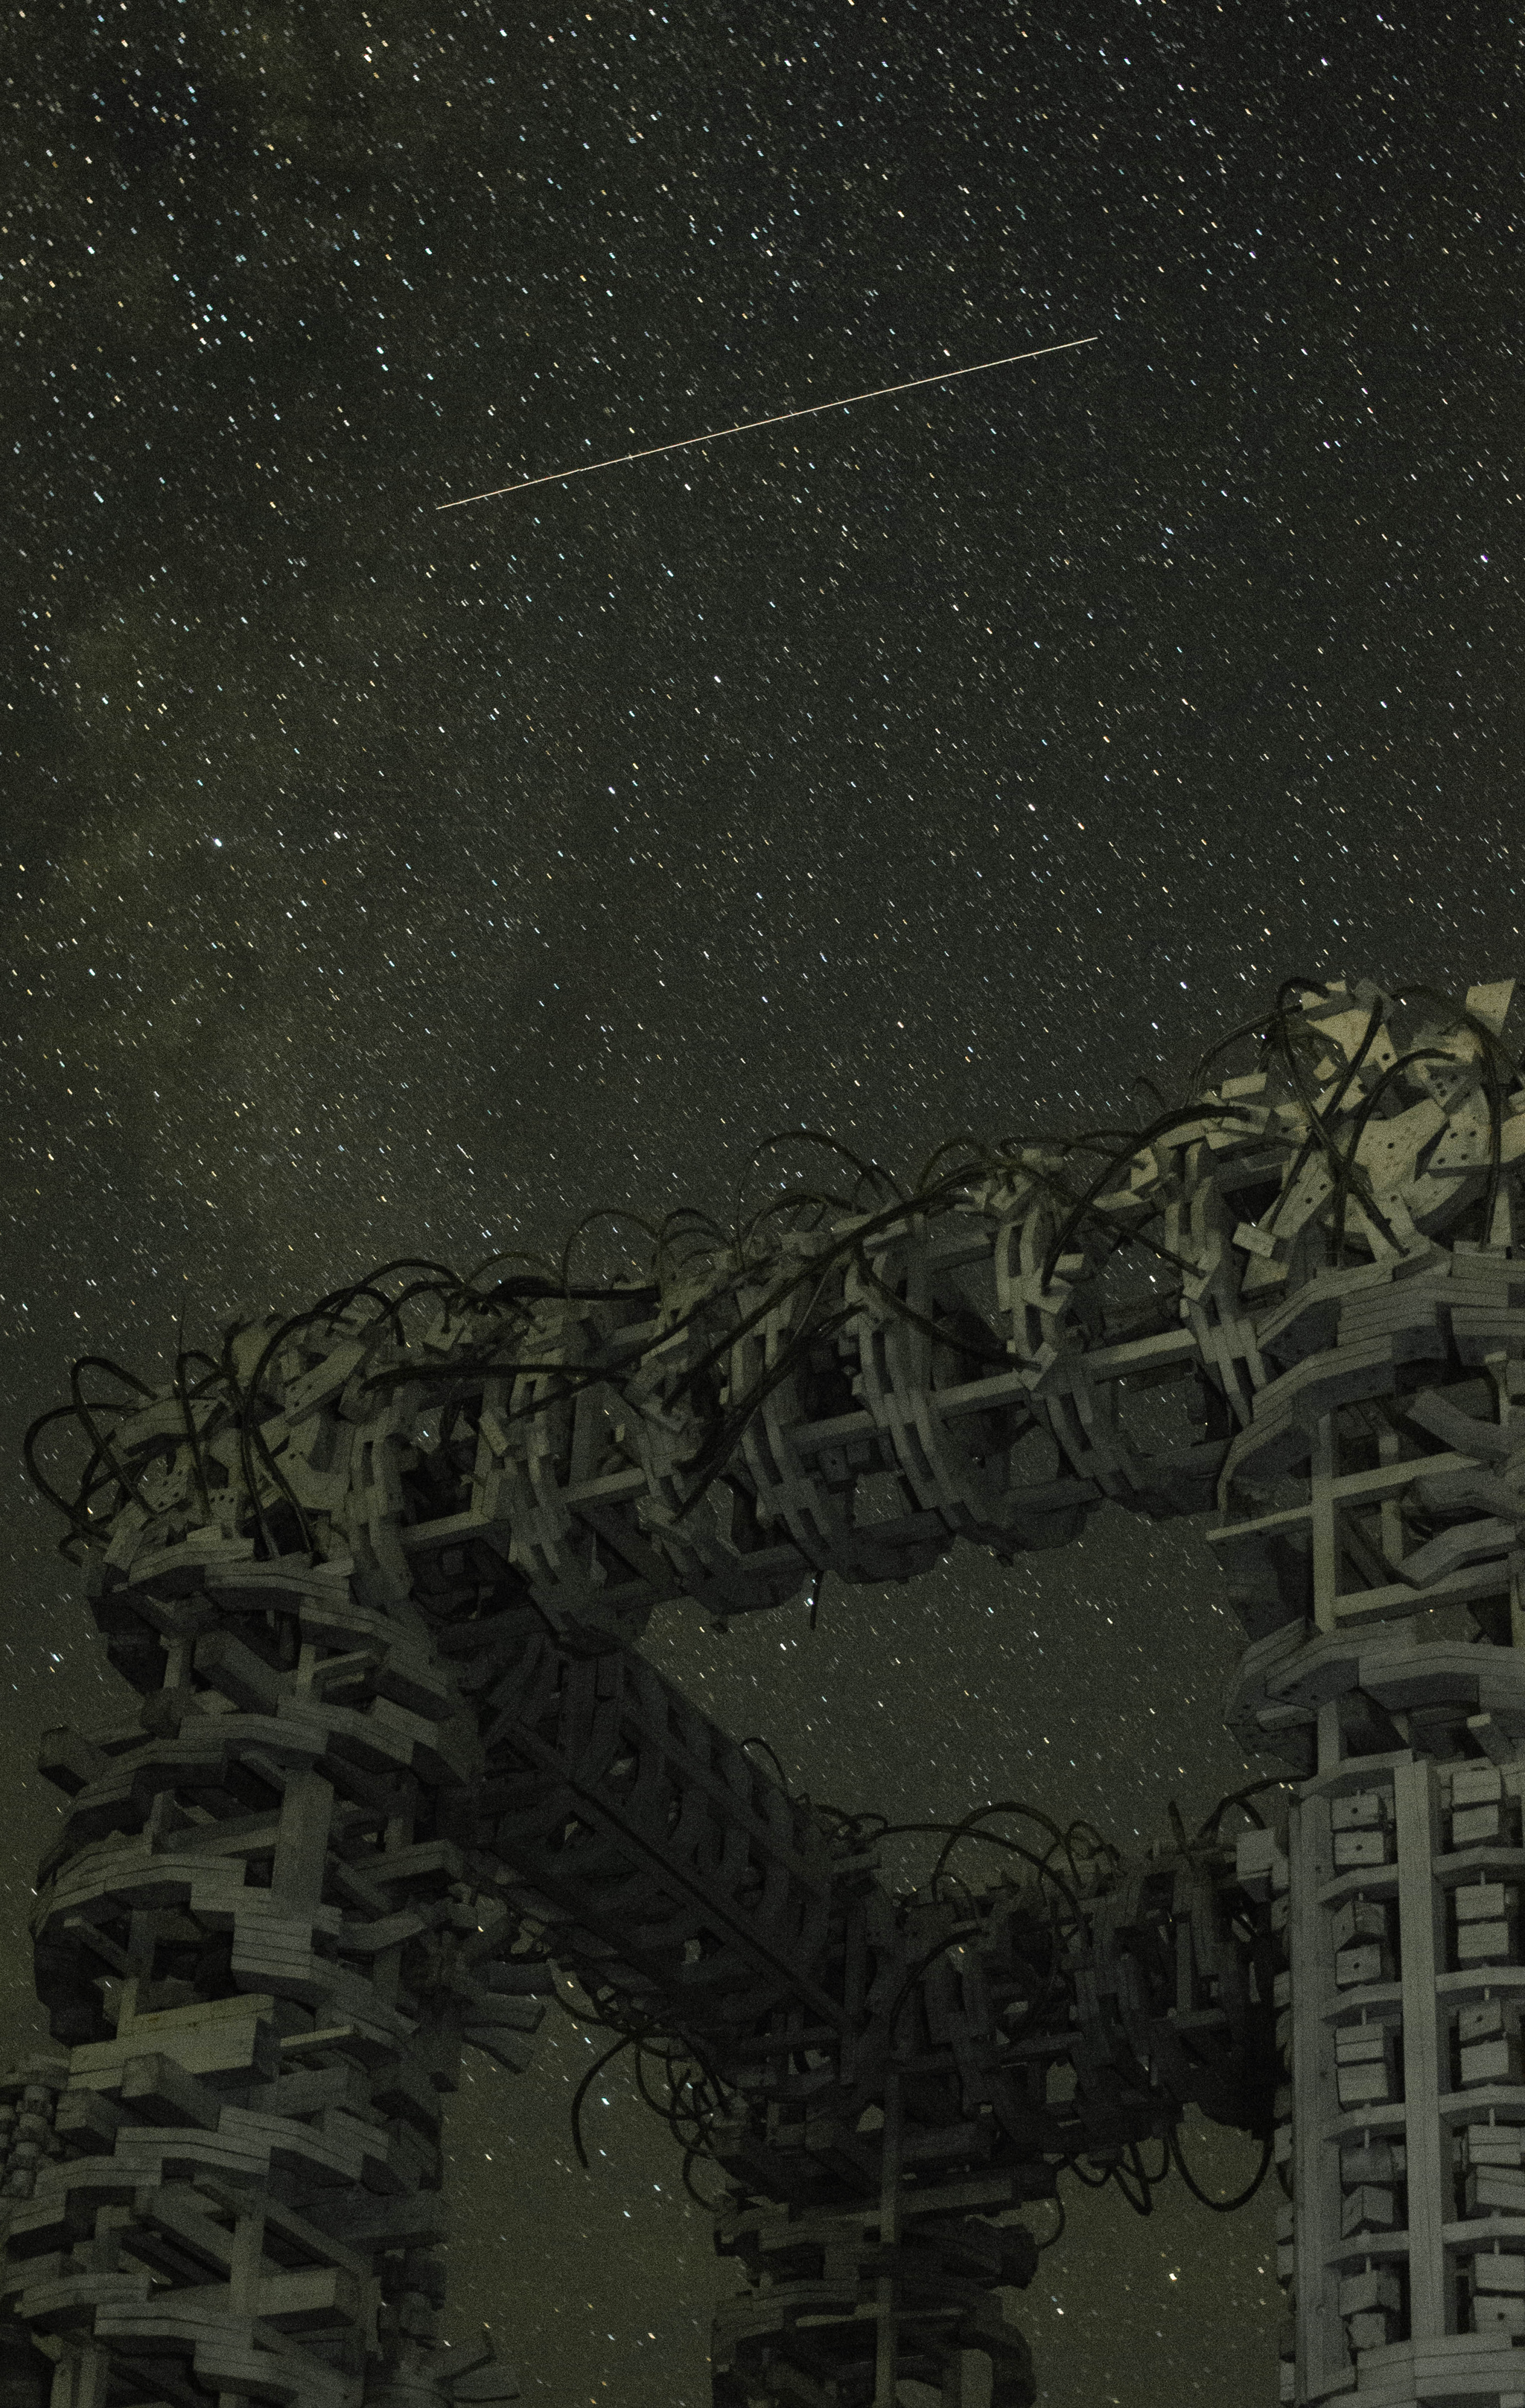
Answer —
(380, 881)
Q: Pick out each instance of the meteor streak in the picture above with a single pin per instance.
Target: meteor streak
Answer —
(718, 434)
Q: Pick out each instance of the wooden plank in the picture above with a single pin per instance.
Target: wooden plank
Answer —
(1394, 1602)
(221, 2037)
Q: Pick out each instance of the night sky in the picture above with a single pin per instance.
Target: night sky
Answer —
(386, 883)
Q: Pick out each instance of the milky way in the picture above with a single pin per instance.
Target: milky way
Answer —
(390, 882)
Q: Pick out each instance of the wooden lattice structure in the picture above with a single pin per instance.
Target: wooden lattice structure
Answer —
(397, 1755)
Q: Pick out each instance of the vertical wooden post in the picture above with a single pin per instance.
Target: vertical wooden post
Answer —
(81, 2377)
(886, 2356)
(1325, 1553)
(1315, 2179)
(1422, 1940)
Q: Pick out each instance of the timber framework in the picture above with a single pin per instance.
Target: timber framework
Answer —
(391, 1755)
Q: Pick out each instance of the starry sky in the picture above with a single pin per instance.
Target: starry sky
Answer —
(383, 881)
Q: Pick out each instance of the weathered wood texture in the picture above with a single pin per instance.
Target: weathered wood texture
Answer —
(381, 1598)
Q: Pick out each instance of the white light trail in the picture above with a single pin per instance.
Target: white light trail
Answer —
(718, 435)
